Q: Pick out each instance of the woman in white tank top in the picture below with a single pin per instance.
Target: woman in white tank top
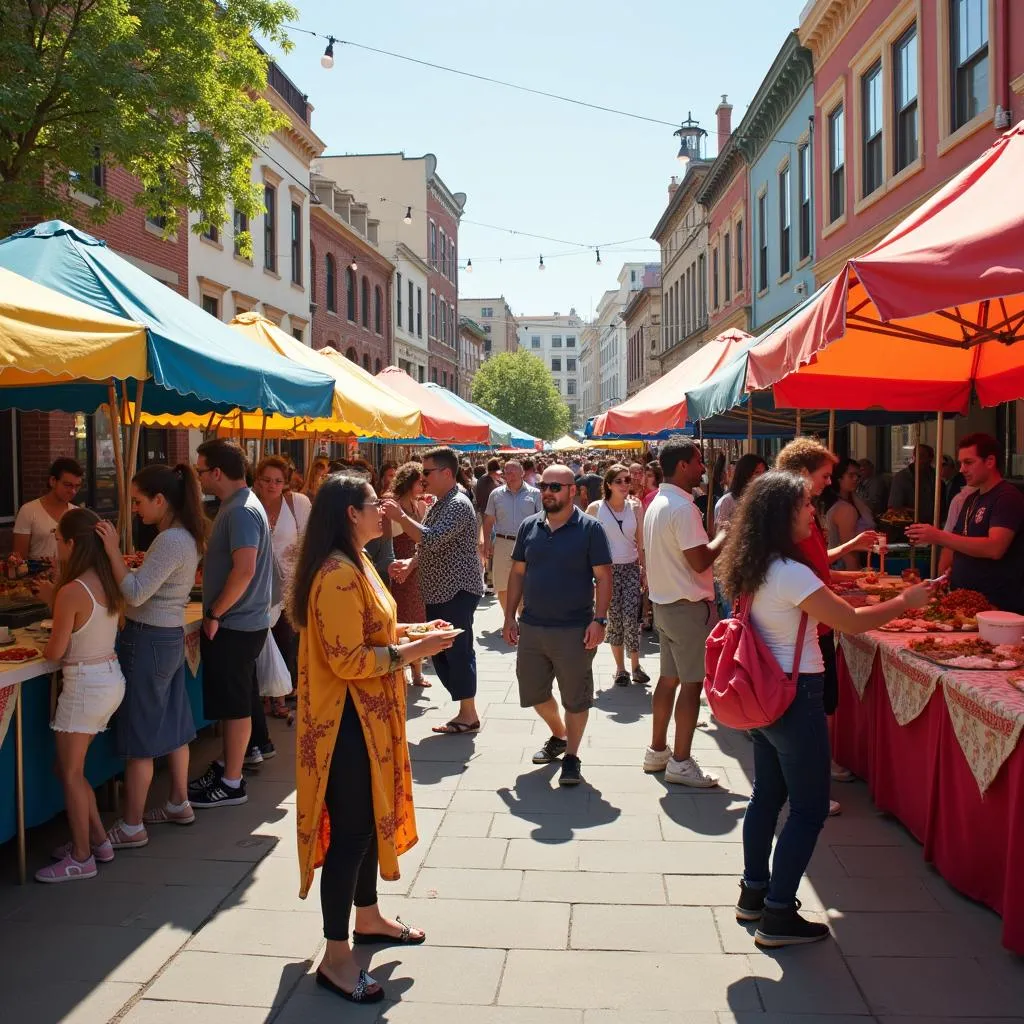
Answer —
(86, 606)
(622, 519)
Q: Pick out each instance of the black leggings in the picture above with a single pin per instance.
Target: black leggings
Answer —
(350, 868)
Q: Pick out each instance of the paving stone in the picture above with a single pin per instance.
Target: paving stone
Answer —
(640, 928)
(662, 857)
(451, 1013)
(448, 852)
(626, 981)
(260, 933)
(911, 935)
(651, 1017)
(568, 826)
(232, 979)
(592, 887)
(467, 884)
(810, 979)
(465, 824)
(881, 861)
(65, 1001)
(157, 1011)
(497, 924)
(870, 895)
(535, 855)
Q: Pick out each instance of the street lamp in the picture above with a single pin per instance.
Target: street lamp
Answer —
(327, 60)
(690, 135)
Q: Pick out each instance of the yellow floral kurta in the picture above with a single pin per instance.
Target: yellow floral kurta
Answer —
(342, 650)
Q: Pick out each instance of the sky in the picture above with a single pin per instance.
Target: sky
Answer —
(529, 164)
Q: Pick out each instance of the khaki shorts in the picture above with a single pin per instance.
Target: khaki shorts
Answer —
(501, 567)
(548, 653)
(683, 629)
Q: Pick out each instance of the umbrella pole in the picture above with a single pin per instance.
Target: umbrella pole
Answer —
(799, 423)
(133, 454)
(710, 511)
(831, 430)
(750, 423)
(939, 428)
(263, 437)
(114, 411)
(209, 424)
(917, 490)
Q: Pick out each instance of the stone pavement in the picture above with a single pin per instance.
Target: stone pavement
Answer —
(609, 903)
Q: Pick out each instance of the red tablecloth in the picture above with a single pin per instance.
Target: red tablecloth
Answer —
(919, 774)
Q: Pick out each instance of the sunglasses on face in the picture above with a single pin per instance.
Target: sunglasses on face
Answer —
(427, 472)
(553, 488)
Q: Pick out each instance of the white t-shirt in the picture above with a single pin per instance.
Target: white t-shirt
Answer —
(673, 524)
(775, 611)
(724, 509)
(287, 534)
(34, 521)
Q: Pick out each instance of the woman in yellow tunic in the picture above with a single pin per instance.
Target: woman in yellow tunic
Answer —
(354, 782)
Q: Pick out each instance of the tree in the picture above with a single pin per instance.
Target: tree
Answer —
(168, 90)
(517, 387)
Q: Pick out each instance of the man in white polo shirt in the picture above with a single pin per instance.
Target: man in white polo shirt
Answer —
(682, 591)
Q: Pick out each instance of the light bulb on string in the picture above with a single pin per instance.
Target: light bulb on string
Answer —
(407, 219)
(353, 265)
(327, 60)
(599, 257)
(469, 266)
(540, 266)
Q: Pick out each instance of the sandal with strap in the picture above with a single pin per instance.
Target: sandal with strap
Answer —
(406, 938)
(360, 994)
(456, 728)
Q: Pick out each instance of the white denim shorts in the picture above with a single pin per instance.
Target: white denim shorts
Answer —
(90, 696)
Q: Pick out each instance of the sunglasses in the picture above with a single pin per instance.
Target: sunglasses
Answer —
(553, 488)
(427, 472)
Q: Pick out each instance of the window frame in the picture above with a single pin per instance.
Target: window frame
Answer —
(953, 67)
(762, 241)
(836, 168)
(364, 302)
(784, 183)
(805, 215)
(296, 243)
(270, 228)
(331, 283)
(727, 268)
(737, 235)
(351, 298)
(912, 105)
(871, 86)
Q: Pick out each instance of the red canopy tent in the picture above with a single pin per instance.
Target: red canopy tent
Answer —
(442, 421)
(662, 405)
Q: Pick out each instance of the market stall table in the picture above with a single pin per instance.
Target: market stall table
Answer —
(26, 741)
(939, 749)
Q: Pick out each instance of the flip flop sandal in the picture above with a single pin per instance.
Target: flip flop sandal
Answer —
(422, 682)
(456, 728)
(360, 994)
(404, 939)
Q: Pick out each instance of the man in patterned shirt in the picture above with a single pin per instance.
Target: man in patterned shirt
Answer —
(450, 576)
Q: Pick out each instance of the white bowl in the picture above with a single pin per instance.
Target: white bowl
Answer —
(1001, 627)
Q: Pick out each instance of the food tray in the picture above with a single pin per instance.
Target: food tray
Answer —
(957, 668)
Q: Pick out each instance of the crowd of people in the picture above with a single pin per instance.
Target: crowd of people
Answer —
(323, 591)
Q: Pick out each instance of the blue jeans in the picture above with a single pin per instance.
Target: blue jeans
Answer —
(791, 761)
(456, 667)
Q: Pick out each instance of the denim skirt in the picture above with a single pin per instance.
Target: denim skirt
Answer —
(155, 716)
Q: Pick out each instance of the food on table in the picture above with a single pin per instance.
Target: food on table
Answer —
(911, 576)
(969, 653)
(896, 517)
(18, 654)
(965, 603)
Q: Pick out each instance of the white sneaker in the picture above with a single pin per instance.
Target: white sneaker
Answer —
(656, 760)
(688, 773)
(253, 758)
(834, 808)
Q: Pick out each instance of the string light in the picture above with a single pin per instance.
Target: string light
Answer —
(599, 257)
(469, 267)
(353, 265)
(407, 219)
(327, 60)
(541, 266)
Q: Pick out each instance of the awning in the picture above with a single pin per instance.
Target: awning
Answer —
(195, 362)
(502, 433)
(443, 421)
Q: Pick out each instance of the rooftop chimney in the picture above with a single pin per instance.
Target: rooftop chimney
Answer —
(724, 114)
(672, 186)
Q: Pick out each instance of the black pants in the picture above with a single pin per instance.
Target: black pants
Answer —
(260, 734)
(827, 643)
(456, 667)
(350, 868)
(287, 641)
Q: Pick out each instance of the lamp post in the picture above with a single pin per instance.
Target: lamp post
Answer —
(690, 135)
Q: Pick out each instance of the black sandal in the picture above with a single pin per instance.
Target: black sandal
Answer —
(404, 939)
(456, 728)
(360, 994)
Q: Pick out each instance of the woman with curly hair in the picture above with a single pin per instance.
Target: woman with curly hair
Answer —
(763, 565)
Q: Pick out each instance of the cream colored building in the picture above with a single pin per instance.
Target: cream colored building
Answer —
(588, 373)
(642, 318)
(411, 289)
(682, 233)
(275, 281)
(472, 338)
(496, 318)
(556, 340)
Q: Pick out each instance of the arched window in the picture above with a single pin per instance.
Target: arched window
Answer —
(376, 366)
(350, 294)
(332, 296)
(350, 353)
(365, 300)
(366, 362)
(378, 310)
(312, 276)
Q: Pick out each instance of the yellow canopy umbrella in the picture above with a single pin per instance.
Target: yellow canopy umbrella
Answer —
(362, 406)
(46, 338)
(566, 443)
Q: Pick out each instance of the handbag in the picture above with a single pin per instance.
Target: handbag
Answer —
(744, 683)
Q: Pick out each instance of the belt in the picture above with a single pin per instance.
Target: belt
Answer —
(506, 536)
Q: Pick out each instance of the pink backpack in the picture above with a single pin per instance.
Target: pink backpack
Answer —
(745, 686)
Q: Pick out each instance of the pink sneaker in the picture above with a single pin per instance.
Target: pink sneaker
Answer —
(67, 870)
(119, 839)
(103, 853)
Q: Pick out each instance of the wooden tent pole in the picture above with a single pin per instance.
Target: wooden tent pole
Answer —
(940, 425)
(831, 430)
(114, 412)
(799, 423)
(133, 455)
(750, 423)
(263, 437)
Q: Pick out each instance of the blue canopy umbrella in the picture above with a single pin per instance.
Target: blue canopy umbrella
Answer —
(196, 362)
(502, 434)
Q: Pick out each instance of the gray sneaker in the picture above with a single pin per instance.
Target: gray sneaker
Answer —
(551, 751)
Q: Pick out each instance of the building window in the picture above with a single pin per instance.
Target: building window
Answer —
(702, 284)
(332, 286)
(350, 294)
(366, 362)
(556, 364)
(376, 366)
(433, 374)
(714, 279)
(398, 299)
(378, 310)
(452, 267)
(419, 313)
(727, 265)
(570, 341)
(968, 38)
(240, 227)
(211, 305)
(570, 387)
(296, 244)
(871, 127)
(297, 333)
(487, 311)
(444, 321)
(412, 322)
(803, 158)
(97, 173)
(785, 221)
(270, 228)
(904, 90)
(836, 164)
(433, 315)
(556, 341)
(570, 365)
(350, 353)
(364, 301)
(739, 256)
(433, 249)
(444, 378)
(444, 253)
(534, 341)
(212, 233)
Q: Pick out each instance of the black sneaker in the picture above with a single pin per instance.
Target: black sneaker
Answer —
(551, 751)
(640, 676)
(217, 794)
(621, 678)
(787, 928)
(572, 774)
(268, 750)
(253, 757)
(750, 905)
(212, 774)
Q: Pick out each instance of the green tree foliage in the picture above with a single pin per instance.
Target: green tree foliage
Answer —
(168, 89)
(517, 387)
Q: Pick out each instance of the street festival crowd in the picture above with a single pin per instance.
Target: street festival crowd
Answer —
(318, 593)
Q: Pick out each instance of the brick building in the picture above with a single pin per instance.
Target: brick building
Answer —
(642, 319)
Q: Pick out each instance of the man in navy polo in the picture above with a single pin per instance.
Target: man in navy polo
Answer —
(558, 554)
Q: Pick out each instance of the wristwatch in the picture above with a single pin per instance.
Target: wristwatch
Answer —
(601, 621)
(209, 615)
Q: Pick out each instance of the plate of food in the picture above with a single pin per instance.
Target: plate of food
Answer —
(19, 655)
(1016, 679)
(968, 653)
(896, 517)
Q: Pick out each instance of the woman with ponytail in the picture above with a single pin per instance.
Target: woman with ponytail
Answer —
(155, 719)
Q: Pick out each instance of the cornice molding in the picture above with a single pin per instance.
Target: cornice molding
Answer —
(696, 171)
(329, 221)
(726, 166)
(826, 24)
(296, 135)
